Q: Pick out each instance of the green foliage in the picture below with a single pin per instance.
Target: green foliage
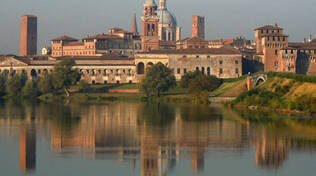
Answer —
(188, 77)
(46, 84)
(158, 78)
(204, 83)
(83, 85)
(30, 89)
(296, 77)
(65, 76)
(15, 85)
(201, 98)
(233, 79)
(2, 84)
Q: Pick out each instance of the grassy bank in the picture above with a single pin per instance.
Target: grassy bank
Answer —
(231, 88)
(283, 91)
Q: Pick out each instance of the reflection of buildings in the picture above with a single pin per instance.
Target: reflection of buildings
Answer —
(271, 152)
(115, 132)
(27, 148)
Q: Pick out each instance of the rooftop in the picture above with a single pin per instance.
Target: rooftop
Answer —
(193, 39)
(102, 36)
(275, 27)
(212, 51)
(64, 38)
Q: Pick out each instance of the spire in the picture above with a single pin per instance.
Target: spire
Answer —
(134, 26)
(162, 4)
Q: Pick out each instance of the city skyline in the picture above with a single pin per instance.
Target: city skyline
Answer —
(223, 19)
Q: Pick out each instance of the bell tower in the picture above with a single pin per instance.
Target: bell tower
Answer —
(150, 38)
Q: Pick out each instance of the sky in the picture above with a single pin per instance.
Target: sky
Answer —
(224, 18)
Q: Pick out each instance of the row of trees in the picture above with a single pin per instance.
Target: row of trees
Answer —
(61, 79)
(160, 78)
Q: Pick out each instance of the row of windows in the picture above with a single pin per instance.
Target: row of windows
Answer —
(267, 31)
(197, 46)
(106, 72)
(208, 70)
(275, 45)
(279, 38)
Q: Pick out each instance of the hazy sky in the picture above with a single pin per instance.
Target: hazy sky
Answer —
(224, 18)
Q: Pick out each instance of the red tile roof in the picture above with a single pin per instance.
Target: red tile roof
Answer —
(102, 36)
(65, 38)
(269, 27)
(193, 39)
(196, 51)
(74, 44)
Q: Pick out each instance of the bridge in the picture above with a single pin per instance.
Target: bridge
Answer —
(256, 79)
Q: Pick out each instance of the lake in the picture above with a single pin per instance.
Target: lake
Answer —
(131, 138)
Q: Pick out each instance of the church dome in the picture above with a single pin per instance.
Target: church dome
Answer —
(165, 17)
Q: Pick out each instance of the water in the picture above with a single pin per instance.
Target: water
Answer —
(124, 138)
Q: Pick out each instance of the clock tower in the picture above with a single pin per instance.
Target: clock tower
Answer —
(150, 38)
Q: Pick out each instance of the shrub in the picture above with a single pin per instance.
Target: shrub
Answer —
(30, 90)
(204, 83)
(15, 85)
(83, 85)
(188, 77)
(2, 84)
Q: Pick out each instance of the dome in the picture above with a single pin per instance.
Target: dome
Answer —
(165, 17)
(150, 3)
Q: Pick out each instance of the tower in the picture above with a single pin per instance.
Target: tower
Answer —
(150, 39)
(134, 26)
(28, 36)
(198, 26)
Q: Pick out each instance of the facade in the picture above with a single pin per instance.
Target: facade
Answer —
(223, 62)
(110, 68)
(117, 40)
(167, 27)
(28, 36)
(198, 26)
(190, 43)
(280, 55)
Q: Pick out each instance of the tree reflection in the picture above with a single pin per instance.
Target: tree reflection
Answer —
(156, 114)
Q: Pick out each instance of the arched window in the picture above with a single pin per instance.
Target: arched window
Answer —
(140, 68)
(208, 71)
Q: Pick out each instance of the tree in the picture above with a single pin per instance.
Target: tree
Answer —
(83, 85)
(30, 89)
(204, 83)
(65, 76)
(46, 84)
(2, 84)
(15, 85)
(157, 79)
(188, 77)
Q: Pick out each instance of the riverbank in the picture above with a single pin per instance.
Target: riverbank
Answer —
(282, 92)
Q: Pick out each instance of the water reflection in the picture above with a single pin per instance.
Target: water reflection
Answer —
(153, 137)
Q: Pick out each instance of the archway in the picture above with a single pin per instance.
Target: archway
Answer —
(260, 80)
(33, 73)
(140, 68)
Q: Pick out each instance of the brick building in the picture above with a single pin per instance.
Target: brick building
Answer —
(198, 26)
(280, 55)
(117, 40)
(28, 35)
(222, 62)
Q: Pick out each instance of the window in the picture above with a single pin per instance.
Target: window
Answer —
(261, 31)
(208, 71)
(292, 52)
(208, 57)
(276, 64)
(273, 38)
(220, 62)
(184, 56)
(197, 68)
(197, 56)
(203, 70)
(220, 71)
(185, 70)
(283, 38)
(236, 71)
(276, 52)
(93, 82)
(286, 51)
(178, 71)
(236, 62)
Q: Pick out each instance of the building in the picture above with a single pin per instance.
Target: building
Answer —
(198, 26)
(280, 55)
(167, 27)
(194, 42)
(150, 20)
(222, 62)
(46, 51)
(117, 40)
(28, 35)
